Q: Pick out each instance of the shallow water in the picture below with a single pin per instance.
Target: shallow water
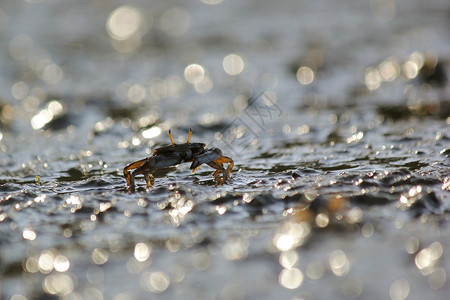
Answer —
(337, 116)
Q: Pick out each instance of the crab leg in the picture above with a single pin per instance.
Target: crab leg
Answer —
(219, 168)
(226, 160)
(146, 166)
(126, 171)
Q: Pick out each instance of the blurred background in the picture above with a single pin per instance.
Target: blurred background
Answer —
(336, 113)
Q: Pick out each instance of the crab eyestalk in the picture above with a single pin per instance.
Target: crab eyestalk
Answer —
(171, 137)
(189, 136)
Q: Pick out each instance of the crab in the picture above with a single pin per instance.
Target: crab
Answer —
(176, 154)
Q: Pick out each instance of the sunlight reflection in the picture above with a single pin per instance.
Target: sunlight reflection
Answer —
(205, 85)
(372, 79)
(315, 270)
(408, 199)
(152, 132)
(339, 263)
(45, 262)
(58, 284)
(291, 278)
(410, 69)
(236, 249)
(355, 138)
(322, 220)
(367, 230)
(427, 258)
(399, 289)
(123, 22)
(31, 264)
(201, 260)
(49, 71)
(412, 245)
(305, 75)
(136, 93)
(20, 90)
(29, 234)
(233, 64)
(194, 73)
(156, 282)
(173, 245)
(75, 201)
(142, 251)
(99, 256)
(291, 235)
(289, 259)
(54, 109)
(61, 263)
(437, 279)
(352, 287)
(125, 26)
(389, 69)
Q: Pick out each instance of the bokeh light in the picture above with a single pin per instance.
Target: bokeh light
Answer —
(305, 75)
(58, 284)
(99, 256)
(352, 287)
(54, 109)
(29, 234)
(45, 262)
(372, 79)
(20, 90)
(152, 132)
(233, 64)
(291, 278)
(399, 289)
(389, 69)
(339, 263)
(136, 93)
(235, 249)
(289, 259)
(322, 220)
(291, 235)
(194, 73)
(125, 26)
(49, 71)
(437, 278)
(124, 22)
(315, 270)
(156, 282)
(142, 251)
(61, 263)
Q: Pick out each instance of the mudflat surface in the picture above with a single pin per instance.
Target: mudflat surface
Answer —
(336, 114)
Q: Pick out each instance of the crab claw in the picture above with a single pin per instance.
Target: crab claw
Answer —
(213, 158)
(208, 156)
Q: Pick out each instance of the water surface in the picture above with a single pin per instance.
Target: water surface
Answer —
(336, 114)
